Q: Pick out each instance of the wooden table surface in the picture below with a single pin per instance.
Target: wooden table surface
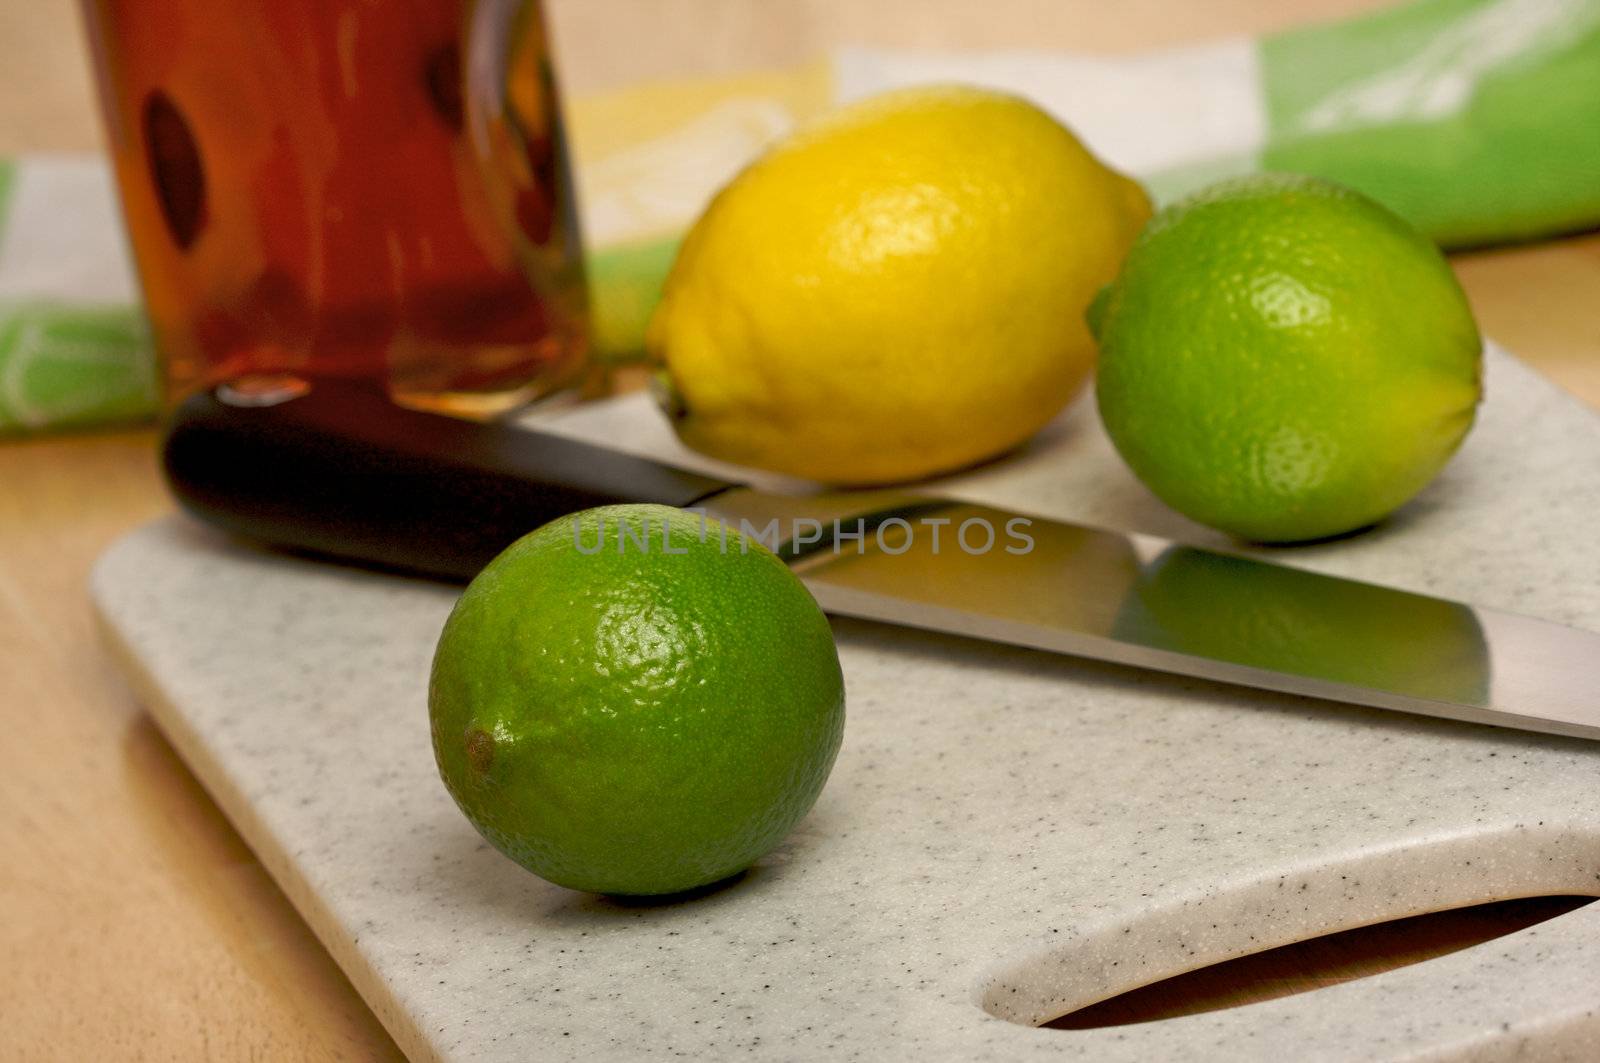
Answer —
(133, 920)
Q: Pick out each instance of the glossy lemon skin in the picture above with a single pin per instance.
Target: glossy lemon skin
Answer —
(896, 292)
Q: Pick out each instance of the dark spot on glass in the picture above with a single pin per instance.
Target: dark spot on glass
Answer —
(536, 213)
(442, 75)
(175, 169)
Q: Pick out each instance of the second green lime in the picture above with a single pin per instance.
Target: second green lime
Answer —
(633, 701)
(1284, 359)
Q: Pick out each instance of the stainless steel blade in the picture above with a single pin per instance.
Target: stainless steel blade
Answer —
(1147, 602)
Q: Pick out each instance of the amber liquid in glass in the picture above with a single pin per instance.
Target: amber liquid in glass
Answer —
(303, 197)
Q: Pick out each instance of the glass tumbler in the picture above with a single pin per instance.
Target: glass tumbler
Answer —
(355, 188)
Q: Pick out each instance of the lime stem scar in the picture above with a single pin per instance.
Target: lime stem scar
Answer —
(480, 750)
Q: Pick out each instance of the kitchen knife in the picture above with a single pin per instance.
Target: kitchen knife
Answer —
(337, 469)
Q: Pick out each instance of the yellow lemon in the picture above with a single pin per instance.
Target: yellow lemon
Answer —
(895, 292)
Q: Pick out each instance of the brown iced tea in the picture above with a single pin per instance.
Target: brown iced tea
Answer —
(303, 196)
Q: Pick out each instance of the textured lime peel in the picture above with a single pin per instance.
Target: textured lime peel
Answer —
(624, 705)
(1285, 360)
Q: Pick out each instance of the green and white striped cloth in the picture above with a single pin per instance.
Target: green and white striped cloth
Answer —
(1479, 120)
(74, 348)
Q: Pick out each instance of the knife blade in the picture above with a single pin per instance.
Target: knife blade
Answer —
(334, 468)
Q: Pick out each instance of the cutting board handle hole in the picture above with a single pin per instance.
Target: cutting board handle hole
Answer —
(1170, 951)
(1323, 961)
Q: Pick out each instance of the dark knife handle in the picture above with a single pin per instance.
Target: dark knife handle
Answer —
(339, 469)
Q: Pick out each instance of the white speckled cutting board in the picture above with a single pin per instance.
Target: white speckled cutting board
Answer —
(1008, 835)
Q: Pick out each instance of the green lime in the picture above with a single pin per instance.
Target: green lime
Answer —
(1284, 359)
(634, 701)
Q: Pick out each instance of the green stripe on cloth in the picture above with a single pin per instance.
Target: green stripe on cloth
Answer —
(72, 366)
(1478, 120)
(1165, 186)
(625, 283)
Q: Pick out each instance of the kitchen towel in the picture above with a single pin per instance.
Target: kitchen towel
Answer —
(1479, 120)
